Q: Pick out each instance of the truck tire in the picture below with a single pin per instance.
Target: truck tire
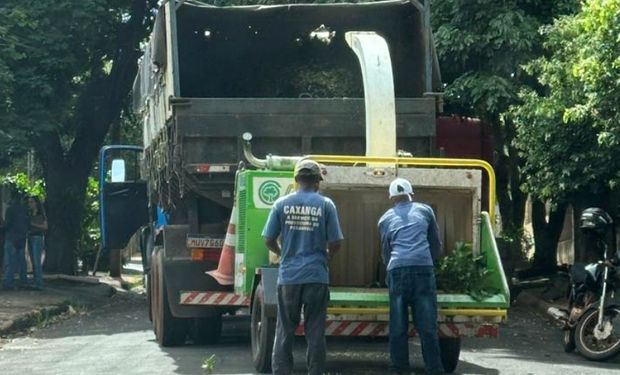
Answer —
(450, 348)
(148, 286)
(169, 331)
(207, 331)
(263, 333)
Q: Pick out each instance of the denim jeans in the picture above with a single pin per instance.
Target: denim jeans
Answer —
(413, 287)
(14, 261)
(313, 298)
(35, 248)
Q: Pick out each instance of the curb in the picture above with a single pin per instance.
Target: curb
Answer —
(38, 315)
(78, 279)
(33, 318)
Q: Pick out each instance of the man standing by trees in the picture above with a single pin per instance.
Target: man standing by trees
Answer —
(310, 232)
(410, 243)
(16, 230)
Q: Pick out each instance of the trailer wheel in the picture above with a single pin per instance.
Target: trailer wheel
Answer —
(450, 348)
(263, 333)
(207, 331)
(169, 331)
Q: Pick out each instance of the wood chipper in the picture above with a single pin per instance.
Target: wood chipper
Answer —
(358, 186)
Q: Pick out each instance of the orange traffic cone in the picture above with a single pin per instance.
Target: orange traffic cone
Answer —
(225, 269)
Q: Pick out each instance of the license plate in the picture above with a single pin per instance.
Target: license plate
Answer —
(204, 242)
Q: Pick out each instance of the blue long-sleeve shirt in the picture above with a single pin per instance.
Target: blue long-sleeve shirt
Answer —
(409, 236)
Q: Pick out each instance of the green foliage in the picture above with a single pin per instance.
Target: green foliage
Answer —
(481, 45)
(53, 49)
(88, 243)
(21, 182)
(208, 364)
(569, 130)
(463, 272)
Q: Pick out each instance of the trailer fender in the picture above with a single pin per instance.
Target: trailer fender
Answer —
(268, 277)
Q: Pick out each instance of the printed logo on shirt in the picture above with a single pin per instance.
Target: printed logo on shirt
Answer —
(303, 218)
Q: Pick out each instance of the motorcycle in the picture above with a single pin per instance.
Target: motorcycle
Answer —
(592, 321)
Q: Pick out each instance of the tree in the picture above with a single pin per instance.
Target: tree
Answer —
(569, 129)
(482, 46)
(70, 67)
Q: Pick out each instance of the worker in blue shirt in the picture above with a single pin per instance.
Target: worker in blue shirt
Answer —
(310, 234)
(410, 245)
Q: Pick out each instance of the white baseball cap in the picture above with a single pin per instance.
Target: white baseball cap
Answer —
(400, 186)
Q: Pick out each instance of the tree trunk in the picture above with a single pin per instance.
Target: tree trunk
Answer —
(510, 198)
(65, 207)
(66, 171)
(546, 236)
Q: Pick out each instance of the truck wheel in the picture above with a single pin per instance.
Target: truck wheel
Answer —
(149, 293)
(169, 331)
(263, 333)
(450, 348)
(207, 330)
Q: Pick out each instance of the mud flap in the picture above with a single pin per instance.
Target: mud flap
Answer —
(269, 280)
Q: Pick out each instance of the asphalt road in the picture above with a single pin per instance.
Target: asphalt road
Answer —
(117, 339)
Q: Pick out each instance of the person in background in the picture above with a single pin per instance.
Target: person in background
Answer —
(410, 243)
(16, 225)
(36, 239)
(308, 226)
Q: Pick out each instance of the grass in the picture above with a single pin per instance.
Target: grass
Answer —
(208, 364)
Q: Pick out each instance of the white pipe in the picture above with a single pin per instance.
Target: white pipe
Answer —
(374, 56)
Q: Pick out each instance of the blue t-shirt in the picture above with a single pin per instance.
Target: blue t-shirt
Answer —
(306, 221)
(409, 236)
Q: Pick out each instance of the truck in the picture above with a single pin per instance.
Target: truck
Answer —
(352, 86)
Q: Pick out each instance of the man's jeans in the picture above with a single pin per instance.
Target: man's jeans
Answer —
(291, 298)
(35, 248)
(14, 260)
(413, 286)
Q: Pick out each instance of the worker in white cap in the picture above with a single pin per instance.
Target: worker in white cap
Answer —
(410, 244)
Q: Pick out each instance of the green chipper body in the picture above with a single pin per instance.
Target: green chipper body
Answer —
(357, 273)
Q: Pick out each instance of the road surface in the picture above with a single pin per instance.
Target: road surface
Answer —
(117, 339)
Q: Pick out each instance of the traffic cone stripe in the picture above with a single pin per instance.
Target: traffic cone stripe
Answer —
(230, 241)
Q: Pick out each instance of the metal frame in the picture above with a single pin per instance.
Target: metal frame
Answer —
(427, 162)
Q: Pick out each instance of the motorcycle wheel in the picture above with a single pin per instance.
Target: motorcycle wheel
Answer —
(569, 340)
(586, 342)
